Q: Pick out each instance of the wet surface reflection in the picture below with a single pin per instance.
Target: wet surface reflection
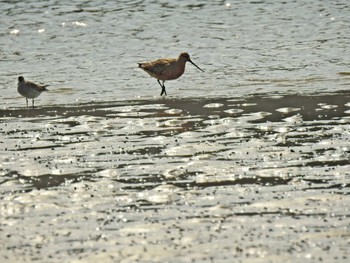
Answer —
(151, 177)
(106, 171)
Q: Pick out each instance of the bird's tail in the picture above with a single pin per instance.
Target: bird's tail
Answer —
(43, 88)
(140, 65)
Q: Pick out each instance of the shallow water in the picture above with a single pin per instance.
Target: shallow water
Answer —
(88, 51)
(247, 162)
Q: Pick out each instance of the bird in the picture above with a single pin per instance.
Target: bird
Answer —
(167, 68)
(29, 90)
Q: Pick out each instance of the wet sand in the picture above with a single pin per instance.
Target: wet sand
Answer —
(264, 178)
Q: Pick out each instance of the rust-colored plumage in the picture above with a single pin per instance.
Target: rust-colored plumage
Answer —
(167, 68)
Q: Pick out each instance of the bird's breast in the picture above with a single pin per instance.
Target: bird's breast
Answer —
(173, 72)
(27, 91)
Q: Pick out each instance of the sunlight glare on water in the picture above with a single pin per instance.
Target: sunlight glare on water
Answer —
(92, 48)
(247, 161)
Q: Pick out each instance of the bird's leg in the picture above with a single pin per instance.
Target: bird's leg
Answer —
(161, 93)
(163, 88)
(27, 102)
(33, 103)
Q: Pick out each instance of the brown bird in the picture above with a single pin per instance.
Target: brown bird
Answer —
(167, 68)
(29, 89)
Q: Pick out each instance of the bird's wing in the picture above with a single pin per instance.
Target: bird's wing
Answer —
(157, 66)
(36, 86)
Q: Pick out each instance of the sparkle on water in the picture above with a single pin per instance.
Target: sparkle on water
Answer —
(246, 162)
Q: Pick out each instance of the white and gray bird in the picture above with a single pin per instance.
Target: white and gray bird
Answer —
(29, 90)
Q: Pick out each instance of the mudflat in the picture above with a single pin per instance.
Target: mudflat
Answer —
(262, 178)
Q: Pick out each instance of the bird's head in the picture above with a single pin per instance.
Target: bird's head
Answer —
(186, 57)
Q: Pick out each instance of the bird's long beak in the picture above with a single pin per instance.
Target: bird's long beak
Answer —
(195, 65)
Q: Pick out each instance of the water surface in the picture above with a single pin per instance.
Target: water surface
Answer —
(246, 162)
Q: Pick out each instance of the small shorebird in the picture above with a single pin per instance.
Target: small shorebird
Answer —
(29, 90)
(167, 68)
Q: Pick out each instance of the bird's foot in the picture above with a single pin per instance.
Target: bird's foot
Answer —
(163, 91)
